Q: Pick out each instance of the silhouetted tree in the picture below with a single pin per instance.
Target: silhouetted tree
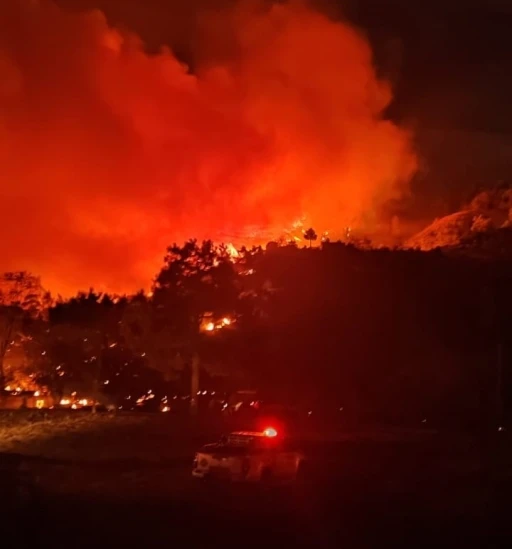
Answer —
(21, 298)
(310, 235)
(96, 318)
(57, 358)
(156, 341)
(196, 284)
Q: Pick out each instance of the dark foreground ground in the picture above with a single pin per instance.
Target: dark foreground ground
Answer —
(365, 490)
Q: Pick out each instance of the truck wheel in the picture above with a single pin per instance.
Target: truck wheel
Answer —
(210, 485)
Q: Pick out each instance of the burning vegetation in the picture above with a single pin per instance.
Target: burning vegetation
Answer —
(488, 213)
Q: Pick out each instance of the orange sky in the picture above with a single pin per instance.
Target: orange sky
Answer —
(108, 154)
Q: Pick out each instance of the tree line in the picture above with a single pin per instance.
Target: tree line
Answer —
(397, 335)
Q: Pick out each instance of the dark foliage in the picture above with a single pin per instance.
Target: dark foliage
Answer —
(398, 336)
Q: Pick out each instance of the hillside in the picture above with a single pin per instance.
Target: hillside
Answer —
(488, 217)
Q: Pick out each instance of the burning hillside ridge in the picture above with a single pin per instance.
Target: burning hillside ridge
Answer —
(108, 154)
(488, 211)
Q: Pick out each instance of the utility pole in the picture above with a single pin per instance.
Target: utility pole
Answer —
(99, 369)
(194, 384)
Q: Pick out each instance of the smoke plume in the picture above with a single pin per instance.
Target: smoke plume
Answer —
(109, 154)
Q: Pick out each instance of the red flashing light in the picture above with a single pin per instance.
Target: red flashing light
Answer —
(270, 432)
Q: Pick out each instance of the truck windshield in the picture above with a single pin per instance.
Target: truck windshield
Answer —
(239, 440)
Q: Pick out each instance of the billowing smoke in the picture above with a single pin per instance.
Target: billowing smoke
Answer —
(109, 154)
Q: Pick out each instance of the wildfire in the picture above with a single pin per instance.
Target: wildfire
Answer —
(210, 324)
(75, 403)
(232, 251)
(288, 126)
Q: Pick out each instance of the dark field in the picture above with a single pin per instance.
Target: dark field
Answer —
(125, 482)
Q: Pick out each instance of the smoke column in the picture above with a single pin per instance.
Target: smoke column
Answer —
(109, 154)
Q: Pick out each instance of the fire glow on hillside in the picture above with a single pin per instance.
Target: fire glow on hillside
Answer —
(109, 154)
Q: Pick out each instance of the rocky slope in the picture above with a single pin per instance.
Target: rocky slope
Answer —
(486, 218)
